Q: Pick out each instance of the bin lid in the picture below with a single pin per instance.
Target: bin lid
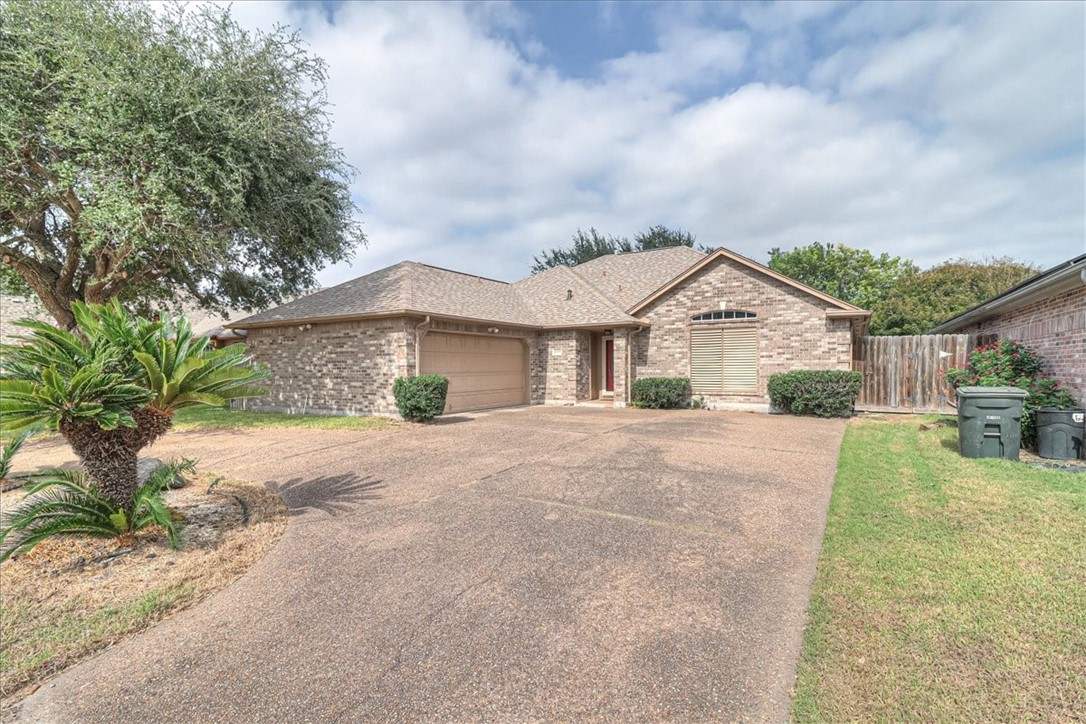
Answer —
(992, 392)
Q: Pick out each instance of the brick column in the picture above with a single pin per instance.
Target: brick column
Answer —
(621, 361)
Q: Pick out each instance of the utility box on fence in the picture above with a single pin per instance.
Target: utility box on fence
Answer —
(1060, 433)
(990, 421)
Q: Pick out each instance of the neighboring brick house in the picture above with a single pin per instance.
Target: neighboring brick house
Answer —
(562, 336)
(1047, 312)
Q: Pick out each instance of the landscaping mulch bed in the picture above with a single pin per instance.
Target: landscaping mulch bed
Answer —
(69, 598)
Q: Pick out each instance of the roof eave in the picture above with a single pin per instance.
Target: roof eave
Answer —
(375, 315)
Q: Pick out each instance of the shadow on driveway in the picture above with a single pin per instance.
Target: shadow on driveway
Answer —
(332, 494)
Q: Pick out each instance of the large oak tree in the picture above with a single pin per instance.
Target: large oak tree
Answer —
(155, 155)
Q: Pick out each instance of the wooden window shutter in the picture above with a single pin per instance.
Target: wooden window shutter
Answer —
(706, 356)
(740, 360)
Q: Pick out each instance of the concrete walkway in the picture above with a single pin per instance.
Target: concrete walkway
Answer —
(540, 563)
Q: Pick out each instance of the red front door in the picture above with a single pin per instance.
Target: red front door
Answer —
(609, 364)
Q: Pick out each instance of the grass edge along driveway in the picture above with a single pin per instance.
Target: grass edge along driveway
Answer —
(946, 587)
(221, 418)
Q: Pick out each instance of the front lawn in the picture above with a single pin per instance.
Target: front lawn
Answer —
(947, 588)
(220, 418)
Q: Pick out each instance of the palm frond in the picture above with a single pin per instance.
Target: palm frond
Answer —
(12, 447)
(62, 503)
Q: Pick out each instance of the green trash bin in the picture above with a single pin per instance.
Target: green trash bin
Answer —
(1060, 433)
(990, 421)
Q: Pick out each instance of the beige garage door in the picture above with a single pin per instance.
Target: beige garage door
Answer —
(483, 371)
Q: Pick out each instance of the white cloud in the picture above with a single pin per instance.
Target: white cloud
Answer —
(919, 137)
(686, 57)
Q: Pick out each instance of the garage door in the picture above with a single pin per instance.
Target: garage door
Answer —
(483, 371)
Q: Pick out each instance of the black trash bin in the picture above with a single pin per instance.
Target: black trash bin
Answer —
(1060, 433)
(990, 421)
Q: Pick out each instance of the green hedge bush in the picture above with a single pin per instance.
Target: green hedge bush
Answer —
(1013, 364)
(421, 398)
(823, 393)
(660, 393)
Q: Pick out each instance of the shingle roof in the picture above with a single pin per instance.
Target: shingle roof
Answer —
(405, 287)
(629, 278)
(596, 293)
(560, 297)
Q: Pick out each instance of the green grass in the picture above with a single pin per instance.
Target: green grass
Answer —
(947, 589)
(218, 418)
(41, 639)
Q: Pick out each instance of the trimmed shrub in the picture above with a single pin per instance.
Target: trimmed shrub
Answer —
(1012, 364)
(822, 393)
(421, 398)
(661, 393)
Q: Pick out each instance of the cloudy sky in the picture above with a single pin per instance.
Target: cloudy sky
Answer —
(483, 133)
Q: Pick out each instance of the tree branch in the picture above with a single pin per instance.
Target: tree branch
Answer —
(43, 281)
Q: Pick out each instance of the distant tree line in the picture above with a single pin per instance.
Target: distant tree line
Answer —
(588, 245)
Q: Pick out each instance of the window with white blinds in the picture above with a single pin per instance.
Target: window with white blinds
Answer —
(723, 360)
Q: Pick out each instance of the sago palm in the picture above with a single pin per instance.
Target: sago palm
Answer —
(66, 503)
(112, 386)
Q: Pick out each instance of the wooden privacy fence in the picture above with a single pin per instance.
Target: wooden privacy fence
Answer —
(907, 374)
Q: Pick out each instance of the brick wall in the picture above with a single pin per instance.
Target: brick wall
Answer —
(793, 331)
(346, 368)
(1056, 328)
(560, 363)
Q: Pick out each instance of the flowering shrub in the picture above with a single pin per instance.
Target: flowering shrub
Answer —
(1012, 364)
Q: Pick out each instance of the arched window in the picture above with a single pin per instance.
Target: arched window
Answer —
(723, 315)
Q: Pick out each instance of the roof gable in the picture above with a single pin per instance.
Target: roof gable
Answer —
(839, 307)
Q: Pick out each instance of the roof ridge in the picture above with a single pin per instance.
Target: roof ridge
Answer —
(454, 271)
(643, 251)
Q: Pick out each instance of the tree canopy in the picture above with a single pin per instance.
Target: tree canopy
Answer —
(923, 300)
(902, 298)
(588, 245)
(158, 155)
(852, 275)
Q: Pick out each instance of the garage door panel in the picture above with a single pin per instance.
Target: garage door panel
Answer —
(483, 371)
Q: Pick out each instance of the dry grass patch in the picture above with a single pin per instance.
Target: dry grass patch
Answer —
(218, 418)
(947, 588)
(67, 598)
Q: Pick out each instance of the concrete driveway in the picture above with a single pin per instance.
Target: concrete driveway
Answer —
(531, 564)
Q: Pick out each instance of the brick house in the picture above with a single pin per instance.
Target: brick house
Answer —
(1047, 312)
(563, 336)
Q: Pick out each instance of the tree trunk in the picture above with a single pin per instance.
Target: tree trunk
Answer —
(109, 456)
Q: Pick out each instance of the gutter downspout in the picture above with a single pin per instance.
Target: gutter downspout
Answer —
(419, 334)
(629, 363)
